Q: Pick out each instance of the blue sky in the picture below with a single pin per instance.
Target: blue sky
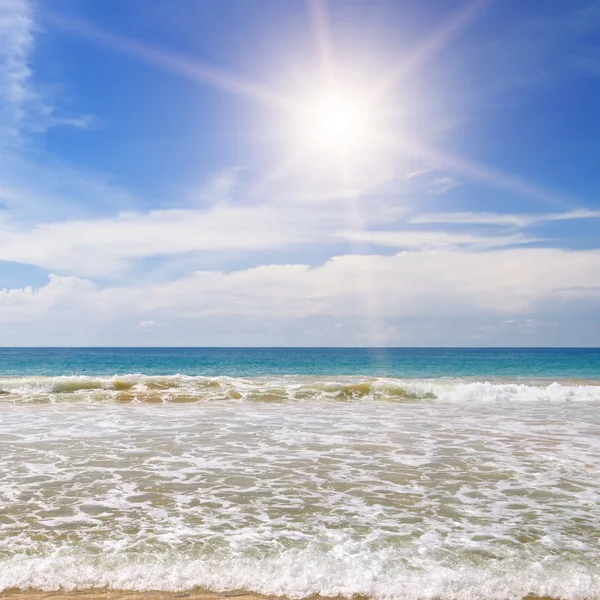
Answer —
(341, 172)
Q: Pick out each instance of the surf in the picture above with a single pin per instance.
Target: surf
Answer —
(139, 388)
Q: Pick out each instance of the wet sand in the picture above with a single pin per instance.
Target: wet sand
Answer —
(188, 595)
(128, 595)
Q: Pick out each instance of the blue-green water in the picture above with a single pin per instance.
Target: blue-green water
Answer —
(528, 363)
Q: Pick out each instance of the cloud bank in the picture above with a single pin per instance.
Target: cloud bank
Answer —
(348, 300)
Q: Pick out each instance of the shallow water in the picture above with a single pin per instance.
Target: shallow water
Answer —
(304, 485)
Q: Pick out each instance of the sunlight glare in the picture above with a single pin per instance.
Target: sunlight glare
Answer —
(335, 122)
(335, 125)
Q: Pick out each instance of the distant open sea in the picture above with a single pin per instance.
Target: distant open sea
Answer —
(528, 363)
(427, 473)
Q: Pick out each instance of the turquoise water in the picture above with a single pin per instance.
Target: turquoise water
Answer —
(528, 363)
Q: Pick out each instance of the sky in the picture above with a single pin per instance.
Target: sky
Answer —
(299, 173)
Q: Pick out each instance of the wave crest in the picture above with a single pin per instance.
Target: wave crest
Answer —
(137, 388)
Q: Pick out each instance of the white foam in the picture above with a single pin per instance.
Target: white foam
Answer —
(181, 388)
(302, 574)
(446, 489)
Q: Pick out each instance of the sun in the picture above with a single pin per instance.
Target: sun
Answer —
(335, 124)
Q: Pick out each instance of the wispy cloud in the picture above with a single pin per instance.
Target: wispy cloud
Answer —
(23, 107)
(435, 239)
(443, 184)
(502, 219)
(44, 188)
(16, 44)
(478, 172)
(149, 324)
(107, 246)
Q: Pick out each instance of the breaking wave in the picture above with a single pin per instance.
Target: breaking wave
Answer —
(305, 574)
(136, 388)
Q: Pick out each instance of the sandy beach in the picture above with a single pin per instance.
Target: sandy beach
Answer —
(127, 595)
(191, 595)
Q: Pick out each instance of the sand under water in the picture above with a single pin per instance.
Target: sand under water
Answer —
(158, 487)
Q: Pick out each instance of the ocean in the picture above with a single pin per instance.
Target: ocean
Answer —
(379, 473)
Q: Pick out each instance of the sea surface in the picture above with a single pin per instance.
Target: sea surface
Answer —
(386, 473)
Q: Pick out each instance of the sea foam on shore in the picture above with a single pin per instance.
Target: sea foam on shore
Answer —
(297, 486)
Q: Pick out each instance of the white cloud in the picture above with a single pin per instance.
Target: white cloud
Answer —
(23, 303)
(149, 324)
(444, 184)
(106, 246)
(435, 239)
(42, 188)
(348, 300)
(502, 219)
(16, 43)
(22, 105)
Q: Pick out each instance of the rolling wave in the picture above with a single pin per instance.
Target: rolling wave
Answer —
(137, 388)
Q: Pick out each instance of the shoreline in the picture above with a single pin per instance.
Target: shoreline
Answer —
(113, 594)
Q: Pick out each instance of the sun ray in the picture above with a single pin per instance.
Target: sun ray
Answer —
(335, 123)
(432, 44)
(176, 64)
(474, 170)
(364, 283)
(318, 14)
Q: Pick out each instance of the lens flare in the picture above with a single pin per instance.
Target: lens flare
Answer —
(335, 125)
